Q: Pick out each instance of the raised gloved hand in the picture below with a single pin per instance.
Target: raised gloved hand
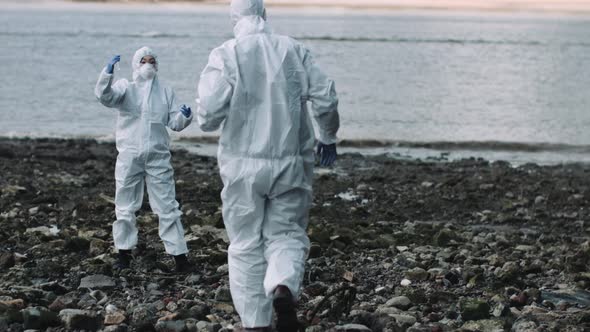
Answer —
(327, 154)
(111, 64)
(186, 111)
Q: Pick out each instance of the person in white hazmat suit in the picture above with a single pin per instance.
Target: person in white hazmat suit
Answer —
(257, 85)
(146, 108)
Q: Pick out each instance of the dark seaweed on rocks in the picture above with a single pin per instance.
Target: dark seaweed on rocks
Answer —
(410, 245)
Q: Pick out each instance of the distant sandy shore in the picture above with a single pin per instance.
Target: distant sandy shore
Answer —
(534, 6)
(483, 5)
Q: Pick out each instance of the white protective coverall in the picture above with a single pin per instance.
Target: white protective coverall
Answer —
(258, 83)
(145, 108)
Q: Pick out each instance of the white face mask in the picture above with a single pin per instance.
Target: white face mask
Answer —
(147, 71)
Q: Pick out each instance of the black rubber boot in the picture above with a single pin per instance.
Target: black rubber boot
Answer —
(123, 261)
(183, 265)
(285, 309)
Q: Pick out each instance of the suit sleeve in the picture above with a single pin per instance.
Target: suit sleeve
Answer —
(176, 120)
(322, 94)
(215, 91)
(109, 94)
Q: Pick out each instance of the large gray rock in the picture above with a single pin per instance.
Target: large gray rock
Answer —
(97, 281)
(417, 274)
(52, 231)
(404, 320)
(352, 328)
(401, 302)
(80, 319)
(384, 310)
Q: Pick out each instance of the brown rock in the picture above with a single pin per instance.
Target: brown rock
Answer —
(169, 317)
(17, 304)
(115, 318)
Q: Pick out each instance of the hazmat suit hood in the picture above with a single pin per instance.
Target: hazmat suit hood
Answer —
(240, 9)
(136, 62)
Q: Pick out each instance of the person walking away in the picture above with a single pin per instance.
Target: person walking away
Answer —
(257, 85)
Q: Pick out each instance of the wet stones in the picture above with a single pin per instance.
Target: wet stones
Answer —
(315, 250)
(525, 324)
(509, 271)
(204, 326)
(98, 247)
(475, 309)
(62, 302)
(401, 302)
(39, 318)
(476, 232)
(484, 325)
(171, 326)
(404, 320)
(445, 237)
(7, 260)
(16, 304)
(417, 274)
(77, 244)
(144, 315)
(48, 232)
(222, 294)
(80, 319)
(97, 281)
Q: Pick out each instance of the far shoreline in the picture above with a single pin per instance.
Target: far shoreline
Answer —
(441, 152)
(539, 7)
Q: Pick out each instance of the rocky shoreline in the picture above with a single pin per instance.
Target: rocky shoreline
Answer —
(397, 246)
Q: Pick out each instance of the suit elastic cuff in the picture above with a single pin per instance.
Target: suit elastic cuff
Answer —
(327, 140)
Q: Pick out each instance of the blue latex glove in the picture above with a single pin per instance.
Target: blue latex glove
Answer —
(186, 111)
(327, 154)
(111, 65)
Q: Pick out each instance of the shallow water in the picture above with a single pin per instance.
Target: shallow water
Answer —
(410, 76)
